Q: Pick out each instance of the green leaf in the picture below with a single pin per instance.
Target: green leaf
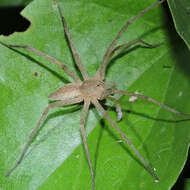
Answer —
(187, 184)
(180, 11)
(6, 3)
(55, 159)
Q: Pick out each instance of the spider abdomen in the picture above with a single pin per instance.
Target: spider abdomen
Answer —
(68, 91)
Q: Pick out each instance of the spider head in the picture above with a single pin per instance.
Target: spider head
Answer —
(92, 89)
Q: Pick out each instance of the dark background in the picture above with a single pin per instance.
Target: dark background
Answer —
(11, 21)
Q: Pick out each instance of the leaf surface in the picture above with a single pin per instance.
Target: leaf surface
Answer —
(180, 11)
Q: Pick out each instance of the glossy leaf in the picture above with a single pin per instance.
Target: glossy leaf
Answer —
(55, 160)
(187, 184)
(180, 11)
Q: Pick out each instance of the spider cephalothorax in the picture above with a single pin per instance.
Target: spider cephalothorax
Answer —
(93, 89)
(90, 90)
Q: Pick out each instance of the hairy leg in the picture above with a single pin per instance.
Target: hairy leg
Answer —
(82, 124)
(101, 71)
(35, 130)
(53, 60)
(151, 100)
(104, 113)
(123, 46)
(74, 51)
(110, 87)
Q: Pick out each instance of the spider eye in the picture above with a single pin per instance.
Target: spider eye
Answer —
(98, 85)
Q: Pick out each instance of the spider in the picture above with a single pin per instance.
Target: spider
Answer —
(91, 91)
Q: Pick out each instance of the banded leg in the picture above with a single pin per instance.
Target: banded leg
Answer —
(123, 46)
(35, 130)
(82, 123)
(118, 108)
(53, 60)
(151, 100)
(113, 123)
(101, 71)
(73, 49)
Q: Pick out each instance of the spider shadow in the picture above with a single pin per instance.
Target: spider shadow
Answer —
(112, 134)
(139, 114)
(51, 131)
(157, 119)
(124, 145)
(64, 80)
(100, 135)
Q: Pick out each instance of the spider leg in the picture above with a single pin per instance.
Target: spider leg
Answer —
(53, 60)
(35, 130)
(123, 46)
(101, 71)
(113, 123)
(73, 49)
(82, 123)
(118, 108)
(151, 100)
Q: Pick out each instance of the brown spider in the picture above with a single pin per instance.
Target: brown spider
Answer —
(90, 90)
